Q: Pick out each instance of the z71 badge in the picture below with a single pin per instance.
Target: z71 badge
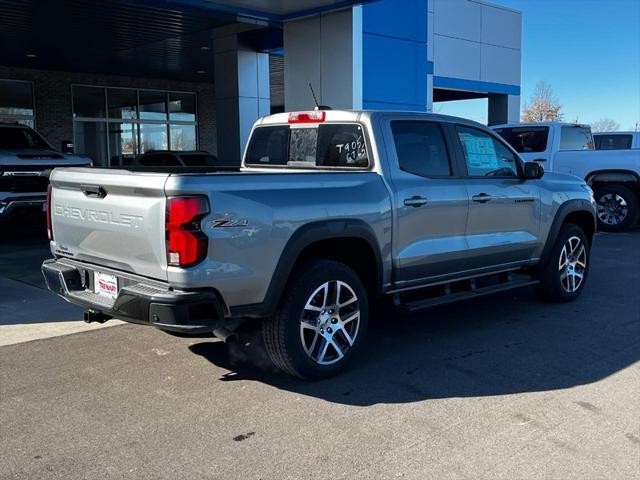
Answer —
(230, 223)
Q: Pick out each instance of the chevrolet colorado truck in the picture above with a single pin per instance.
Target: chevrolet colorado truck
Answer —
(329, 211)
(25, 161)
(614, 175)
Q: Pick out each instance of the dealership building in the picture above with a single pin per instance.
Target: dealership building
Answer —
(122, 77)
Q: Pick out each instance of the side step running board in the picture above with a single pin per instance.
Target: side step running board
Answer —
(453, 293)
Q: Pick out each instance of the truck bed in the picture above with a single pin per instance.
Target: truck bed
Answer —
(253, 215)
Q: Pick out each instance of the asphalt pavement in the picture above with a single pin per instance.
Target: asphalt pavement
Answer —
(504, 387)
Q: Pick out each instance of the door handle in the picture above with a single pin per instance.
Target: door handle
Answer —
(415, 201)
(481, 198)
(95, 191)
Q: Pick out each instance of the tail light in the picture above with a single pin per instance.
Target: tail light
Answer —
(185, 242)
(48, 204)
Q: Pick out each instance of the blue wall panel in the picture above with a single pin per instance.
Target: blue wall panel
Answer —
(394, 54)
(392, 106)
(394, 70)
(397, 18)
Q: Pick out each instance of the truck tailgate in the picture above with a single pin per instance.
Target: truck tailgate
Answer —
(112, 218)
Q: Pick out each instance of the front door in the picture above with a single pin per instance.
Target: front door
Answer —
(431, 203)
(503, 227)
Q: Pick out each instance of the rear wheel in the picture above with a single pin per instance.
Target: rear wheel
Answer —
(617, 207)
(321, 321)
(563, 276)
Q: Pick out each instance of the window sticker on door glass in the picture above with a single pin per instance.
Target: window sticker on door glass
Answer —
(481, 152)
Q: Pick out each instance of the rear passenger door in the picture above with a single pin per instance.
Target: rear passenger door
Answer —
(431, 202)
(504, 210)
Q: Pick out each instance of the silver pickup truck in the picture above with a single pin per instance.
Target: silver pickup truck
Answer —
(330, 211)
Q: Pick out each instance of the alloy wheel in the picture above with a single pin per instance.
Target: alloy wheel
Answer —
(572, 264)
(330, 322)
(612, 209)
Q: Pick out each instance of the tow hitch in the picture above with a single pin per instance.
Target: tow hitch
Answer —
(91, 316)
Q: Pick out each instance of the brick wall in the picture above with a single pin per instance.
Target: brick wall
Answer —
(52, 90)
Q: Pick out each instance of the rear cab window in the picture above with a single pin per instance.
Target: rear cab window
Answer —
(576, 138)
(328, 145)
(525, 139)
(613, 142)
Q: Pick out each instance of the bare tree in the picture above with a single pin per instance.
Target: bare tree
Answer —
(605, 125)
(543, 106)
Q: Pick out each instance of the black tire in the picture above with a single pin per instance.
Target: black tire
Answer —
(613, 215)
(553, 278)
(287, 342)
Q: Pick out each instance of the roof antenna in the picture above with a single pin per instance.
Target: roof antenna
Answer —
(315, 100)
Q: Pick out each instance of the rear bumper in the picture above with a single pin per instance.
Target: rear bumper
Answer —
(139, 300)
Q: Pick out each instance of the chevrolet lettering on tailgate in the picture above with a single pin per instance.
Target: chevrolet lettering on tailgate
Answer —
(99, 216)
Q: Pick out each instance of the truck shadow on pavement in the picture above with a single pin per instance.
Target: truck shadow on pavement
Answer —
(504, 344)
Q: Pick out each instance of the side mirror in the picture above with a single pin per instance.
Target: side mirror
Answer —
(533, 171)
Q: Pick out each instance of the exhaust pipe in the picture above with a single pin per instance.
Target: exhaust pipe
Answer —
(91, 316)
(226, 335)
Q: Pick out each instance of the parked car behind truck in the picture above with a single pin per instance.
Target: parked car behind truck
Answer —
(25, 161)
(614, 175)
(330, 210)
(180, 159)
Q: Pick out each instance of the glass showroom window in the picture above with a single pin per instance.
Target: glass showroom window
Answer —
(182, 108)
(114, 125)
(16, 102)
(122, 113)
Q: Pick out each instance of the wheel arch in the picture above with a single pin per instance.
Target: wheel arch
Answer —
(359, 249)
(577, 212)
(612, 175)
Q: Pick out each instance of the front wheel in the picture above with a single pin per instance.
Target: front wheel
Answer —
(321, 321)
(563, 276)
(616, 206)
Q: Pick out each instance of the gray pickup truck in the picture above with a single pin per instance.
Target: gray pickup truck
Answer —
(330, 211)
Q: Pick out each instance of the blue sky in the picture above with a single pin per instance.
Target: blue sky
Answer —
(587, 50)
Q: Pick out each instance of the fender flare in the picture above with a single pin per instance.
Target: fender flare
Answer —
(303, 237)
(612, 176)
(570, 206)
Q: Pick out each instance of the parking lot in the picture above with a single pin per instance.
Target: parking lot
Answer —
(504, 387)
